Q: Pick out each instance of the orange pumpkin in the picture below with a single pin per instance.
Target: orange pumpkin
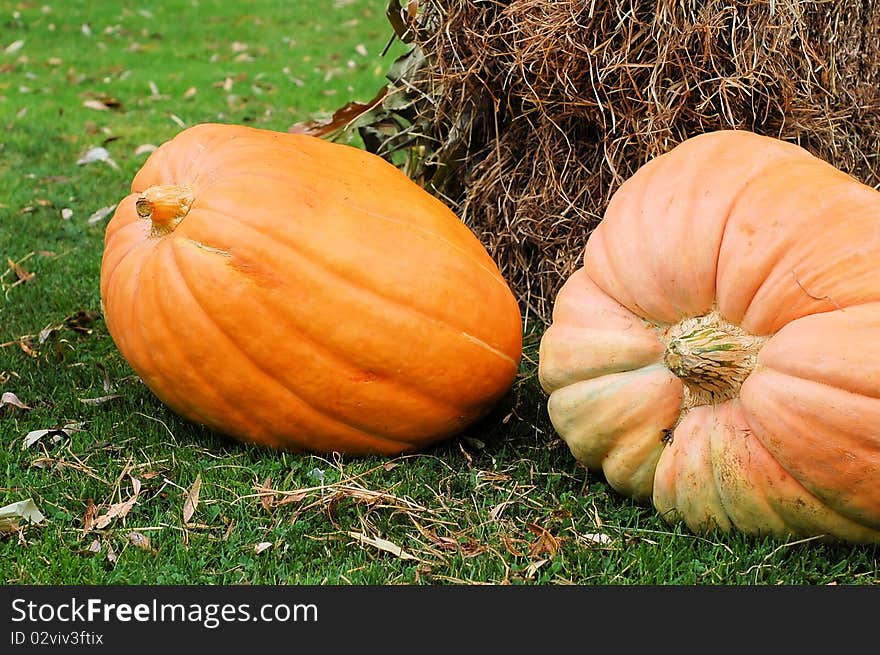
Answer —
(301, 294)
(719, 351)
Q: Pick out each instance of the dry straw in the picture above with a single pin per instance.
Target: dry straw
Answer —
(526, 115)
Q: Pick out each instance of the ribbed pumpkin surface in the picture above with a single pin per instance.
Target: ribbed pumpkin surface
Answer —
(719, 351)
(310, 297)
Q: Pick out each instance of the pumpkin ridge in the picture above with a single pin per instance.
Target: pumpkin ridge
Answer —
(780, 453)
(350, 205)
(730, 209)
(764, 367)
(309, 407)
(805, 166)
(108, 275)
(338, 357)
(714, 444)
(376, 293)
(121, 218)
(774, 505)
(145, 339)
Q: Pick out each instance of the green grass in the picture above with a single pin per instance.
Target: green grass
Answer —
(504, 502)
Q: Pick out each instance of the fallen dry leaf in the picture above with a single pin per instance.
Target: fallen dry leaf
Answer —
(598, 538)
(342, 118)
(81, 321)
(34, 436)
(383, 545)
(532, 568)
(192, 499)
(97, 154)
(90, 515)
(97, 105)
(100, 214)
(119, 510)
(26, 348)
(13, 514)
(263, 545)
(20, 272)
(545, 543)
(267, 498)
(142, 541)
(9, 399)
(14, 47)
(509, 545)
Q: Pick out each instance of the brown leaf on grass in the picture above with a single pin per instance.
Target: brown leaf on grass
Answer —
(90, 516)
(20, 272)
(510, 547)
(291, 497)
(260, 547)
(342, 118)
(467, 548)
(192, 499)
(545, 543)
(119, 510)
(81, 321)
(383, 545)
(142, 541)
(102, 104)
(267, 497)
(25, 346)
(9, 399)
(12, 515)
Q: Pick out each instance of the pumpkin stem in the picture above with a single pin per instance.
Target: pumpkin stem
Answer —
(165, 205)
(711, 356)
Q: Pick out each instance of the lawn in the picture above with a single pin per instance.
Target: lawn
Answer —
(132, 494)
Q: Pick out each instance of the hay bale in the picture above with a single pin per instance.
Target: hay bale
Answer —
(526, 115)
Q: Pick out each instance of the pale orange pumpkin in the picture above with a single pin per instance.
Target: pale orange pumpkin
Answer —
(719, 351)
(301, 294)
